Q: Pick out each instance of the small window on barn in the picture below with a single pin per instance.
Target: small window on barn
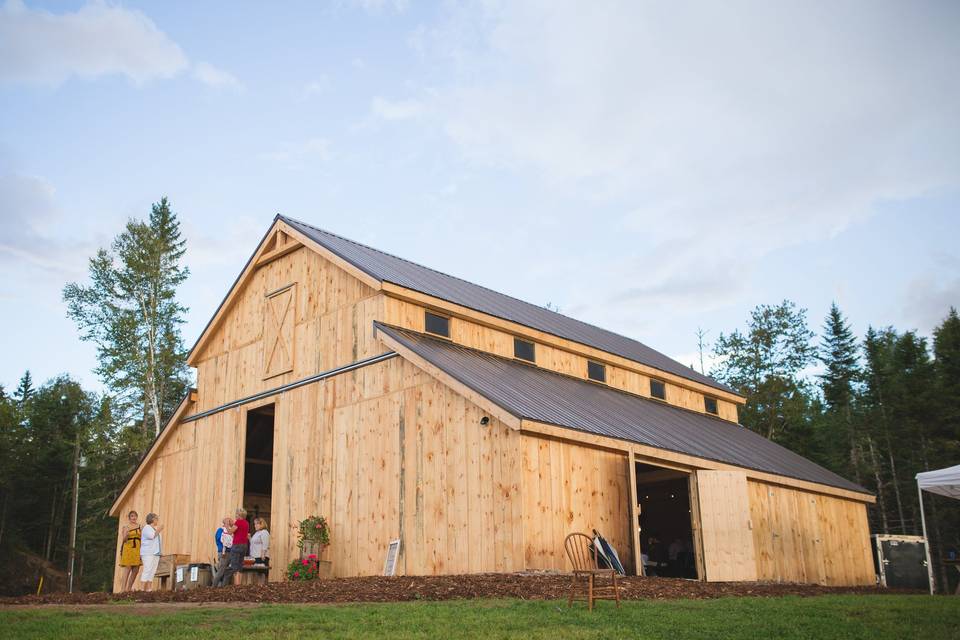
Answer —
(524, 350)
(710, 405)
(596, 371)
(658, 390)
(437, 325)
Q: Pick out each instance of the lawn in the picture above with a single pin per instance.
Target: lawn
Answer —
(840, 616)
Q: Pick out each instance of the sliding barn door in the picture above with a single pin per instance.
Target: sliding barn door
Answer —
(725, 531)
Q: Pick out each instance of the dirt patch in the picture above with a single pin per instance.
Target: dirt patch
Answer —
(398, 589)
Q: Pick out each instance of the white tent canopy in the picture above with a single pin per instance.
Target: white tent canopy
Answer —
(946, 482)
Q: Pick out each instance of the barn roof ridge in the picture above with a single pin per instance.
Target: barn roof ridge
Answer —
(503, 305)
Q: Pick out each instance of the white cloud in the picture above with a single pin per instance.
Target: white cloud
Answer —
(396, 109)
(216, 78)
(31, 220)
(927, 298)
(379, 7)
(727, 131)
(316, 87)
(98, 39)
(297, 155)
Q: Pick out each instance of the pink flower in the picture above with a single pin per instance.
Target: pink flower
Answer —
(305, 563)
(296, 574)
(312, 556)
(318, 526)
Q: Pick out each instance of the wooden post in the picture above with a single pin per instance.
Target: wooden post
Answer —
(634, 515)
(72, 551)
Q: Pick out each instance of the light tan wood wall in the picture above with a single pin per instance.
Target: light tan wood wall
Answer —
(333, 314)
(387, 452)
(811, 538)
(195, 480)
(723, 525)
(570, 488)
(383, 452)
(408, 315)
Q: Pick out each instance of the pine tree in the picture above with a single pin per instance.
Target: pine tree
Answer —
(946, 348)
(24, 389)
(838, 353)
(130, 311)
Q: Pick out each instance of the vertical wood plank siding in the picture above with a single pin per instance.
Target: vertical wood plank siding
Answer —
(810, 538)
(407, 315)
(331, 318)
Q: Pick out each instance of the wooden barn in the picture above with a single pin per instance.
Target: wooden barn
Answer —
(403, 403)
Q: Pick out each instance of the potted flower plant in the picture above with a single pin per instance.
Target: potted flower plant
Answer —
(313, 537)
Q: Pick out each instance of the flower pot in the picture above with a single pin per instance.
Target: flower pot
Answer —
(314, 548)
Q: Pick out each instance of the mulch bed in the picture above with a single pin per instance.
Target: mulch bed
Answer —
(396, 589)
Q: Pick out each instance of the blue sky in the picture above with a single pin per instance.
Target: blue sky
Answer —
(651, 168)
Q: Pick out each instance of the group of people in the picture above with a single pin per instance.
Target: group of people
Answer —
(234, 543)
(141, 547)
(675, 560)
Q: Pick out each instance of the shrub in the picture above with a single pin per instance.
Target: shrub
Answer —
(303, 570)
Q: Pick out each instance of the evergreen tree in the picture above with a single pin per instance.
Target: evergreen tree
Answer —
(24, 389)
(946, 348)
(838, 353)
(131, 313)
(945, 432)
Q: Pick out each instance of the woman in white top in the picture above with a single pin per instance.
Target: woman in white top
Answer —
(150, 549)
(260, 542)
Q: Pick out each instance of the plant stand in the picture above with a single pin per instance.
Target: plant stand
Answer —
(324, 567)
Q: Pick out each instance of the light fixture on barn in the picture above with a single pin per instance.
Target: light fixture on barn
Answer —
(484, 421)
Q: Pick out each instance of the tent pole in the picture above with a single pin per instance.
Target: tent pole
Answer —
(926, 541)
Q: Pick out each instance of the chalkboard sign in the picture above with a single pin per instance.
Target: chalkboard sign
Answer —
(390, 566)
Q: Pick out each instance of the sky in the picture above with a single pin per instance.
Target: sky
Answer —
(653, 168)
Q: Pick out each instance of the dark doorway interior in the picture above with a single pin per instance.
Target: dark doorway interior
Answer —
(666, 533)
(258, 463)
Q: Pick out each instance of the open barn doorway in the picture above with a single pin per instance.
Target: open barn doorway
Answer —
(258, 463)
(666, 527)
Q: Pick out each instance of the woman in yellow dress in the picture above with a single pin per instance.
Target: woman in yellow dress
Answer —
(130, 552)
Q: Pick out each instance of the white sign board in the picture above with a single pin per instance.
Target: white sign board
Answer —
(390, 566)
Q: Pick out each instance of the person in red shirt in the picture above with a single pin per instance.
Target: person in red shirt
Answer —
(238, 550)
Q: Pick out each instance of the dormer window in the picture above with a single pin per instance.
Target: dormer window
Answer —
(710, 405)
(658, 390)
(437, 325)
(523, 350)
(596, 371)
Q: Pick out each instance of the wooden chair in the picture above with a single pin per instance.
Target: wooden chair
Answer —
(583, 556)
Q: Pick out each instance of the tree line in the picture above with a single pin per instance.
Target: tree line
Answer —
(130, 312)
(875, 410)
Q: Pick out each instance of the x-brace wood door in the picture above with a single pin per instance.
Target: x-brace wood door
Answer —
(278, 315)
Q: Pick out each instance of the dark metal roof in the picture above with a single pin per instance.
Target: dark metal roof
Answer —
(386, 267)
(530, 392)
